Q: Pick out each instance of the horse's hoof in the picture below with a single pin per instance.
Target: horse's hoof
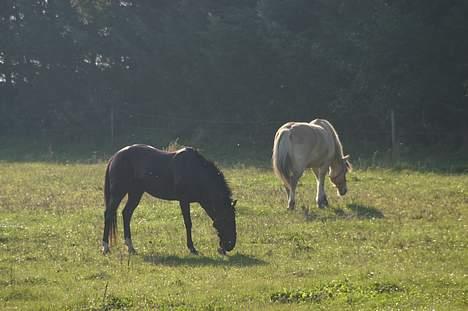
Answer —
(221, 251)
(322, 203)
(193, 251)
(105, 248)
(132, 251)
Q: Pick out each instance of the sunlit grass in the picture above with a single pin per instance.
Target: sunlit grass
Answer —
(397, 241)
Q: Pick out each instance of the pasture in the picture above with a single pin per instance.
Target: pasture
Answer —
(398, 240)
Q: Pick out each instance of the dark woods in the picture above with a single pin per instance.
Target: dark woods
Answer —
(68, 69)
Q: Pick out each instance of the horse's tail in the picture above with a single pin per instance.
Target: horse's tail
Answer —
(281, 159)
(110, 213)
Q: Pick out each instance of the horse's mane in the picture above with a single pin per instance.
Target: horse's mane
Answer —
(325, 123)
(214, 172)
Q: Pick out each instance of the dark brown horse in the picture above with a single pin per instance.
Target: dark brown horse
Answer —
(185, 176)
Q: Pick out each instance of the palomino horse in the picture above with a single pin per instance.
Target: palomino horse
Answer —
(184, 175)
(316, 145)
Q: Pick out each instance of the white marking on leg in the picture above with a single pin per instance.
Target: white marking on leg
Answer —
(105, 247)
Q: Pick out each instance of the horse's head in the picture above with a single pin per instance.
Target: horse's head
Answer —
(223, 214)
(216, 201)
(338, 174)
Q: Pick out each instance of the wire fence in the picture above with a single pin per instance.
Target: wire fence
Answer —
(124, 126)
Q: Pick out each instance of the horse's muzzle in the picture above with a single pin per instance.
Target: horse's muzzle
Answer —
(342, 191)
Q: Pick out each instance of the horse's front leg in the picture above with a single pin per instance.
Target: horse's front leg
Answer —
(321, 197)
(185, 207)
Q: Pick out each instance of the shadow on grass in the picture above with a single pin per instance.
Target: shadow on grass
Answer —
(355, 211)
(237, 260)
(363, 211)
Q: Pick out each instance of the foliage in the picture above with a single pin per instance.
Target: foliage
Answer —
(65, 65)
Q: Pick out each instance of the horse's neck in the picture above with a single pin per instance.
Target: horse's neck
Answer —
(337, 161)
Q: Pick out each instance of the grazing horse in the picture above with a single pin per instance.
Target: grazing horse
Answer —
(298, 146)
(184, 175)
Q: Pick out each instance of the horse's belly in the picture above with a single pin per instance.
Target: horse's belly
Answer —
(160, 189)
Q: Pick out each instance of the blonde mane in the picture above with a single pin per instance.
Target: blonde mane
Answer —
(327, 125)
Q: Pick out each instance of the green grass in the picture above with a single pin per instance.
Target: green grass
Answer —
(398, 240)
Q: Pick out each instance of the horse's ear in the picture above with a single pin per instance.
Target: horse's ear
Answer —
(234, 202)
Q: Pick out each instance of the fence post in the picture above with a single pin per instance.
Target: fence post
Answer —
(395, 140)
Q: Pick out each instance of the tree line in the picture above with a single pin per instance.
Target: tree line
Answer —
(66, 65)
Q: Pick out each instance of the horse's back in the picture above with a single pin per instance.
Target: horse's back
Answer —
(138, 149)
(142, 168)
(325, 124)
(140, 156)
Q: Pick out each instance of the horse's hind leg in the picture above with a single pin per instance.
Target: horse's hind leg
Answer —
(132, 202)
(110, 219)
(291, 190)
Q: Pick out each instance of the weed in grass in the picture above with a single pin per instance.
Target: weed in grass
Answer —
(18, 294)
(111, 302)
(334, 290)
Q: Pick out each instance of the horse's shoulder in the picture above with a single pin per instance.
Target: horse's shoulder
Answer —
(188, 149)
(187, 155)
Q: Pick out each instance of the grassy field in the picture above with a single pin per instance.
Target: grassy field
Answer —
(398, 240)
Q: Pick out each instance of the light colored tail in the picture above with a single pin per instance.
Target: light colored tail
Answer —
(281, 160)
